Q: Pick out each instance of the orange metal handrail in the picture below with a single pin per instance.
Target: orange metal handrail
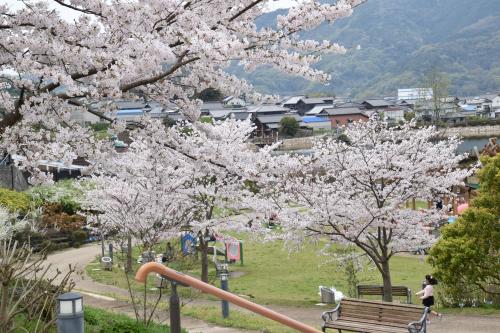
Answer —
(171, 274)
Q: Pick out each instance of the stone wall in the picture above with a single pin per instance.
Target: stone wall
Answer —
(7, 172)
(297, 143)
(465, 132)
(474, 131)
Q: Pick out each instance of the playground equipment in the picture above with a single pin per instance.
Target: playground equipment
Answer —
(178, 278)
(462, 207)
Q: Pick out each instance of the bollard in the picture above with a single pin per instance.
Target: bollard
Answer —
(175, 311)
(111, 251)
(224, 284)
(69, 313)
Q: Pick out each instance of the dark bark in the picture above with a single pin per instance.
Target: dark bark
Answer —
(204, 260)
(129, 254)
(386, 277)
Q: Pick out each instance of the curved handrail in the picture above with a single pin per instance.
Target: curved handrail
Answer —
(171, 274)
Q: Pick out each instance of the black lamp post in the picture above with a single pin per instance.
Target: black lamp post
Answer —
(70, 313)
(224, 285)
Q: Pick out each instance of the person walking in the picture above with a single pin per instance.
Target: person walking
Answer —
(428, 296)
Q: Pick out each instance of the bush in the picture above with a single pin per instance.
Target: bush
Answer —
(99, 126)
(288, 126)
(100, 321)
(79, 236)
(54, 216)
(14, 201)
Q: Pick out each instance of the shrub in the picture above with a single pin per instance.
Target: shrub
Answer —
(78, 237)
(14, 201)
(54, 216)
(100, 321)
(289, 126)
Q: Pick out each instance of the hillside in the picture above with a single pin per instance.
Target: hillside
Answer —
(401, 40)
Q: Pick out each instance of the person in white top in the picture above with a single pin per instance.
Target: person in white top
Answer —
(428, 295)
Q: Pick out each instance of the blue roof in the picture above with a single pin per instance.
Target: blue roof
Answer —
(314, 119)
(469, 107)
(130, 112)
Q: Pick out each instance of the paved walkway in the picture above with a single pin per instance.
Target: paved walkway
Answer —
(93, 292)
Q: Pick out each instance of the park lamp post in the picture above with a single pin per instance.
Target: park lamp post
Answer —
(69, 313)
(224, 285)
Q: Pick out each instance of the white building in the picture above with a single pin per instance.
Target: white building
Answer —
(414, 94)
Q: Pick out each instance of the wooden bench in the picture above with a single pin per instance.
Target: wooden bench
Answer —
(379, 291)
(375, 317)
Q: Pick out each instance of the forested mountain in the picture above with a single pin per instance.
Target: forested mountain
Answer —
(401, 41)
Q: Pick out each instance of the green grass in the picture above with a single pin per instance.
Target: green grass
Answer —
(271, 275)
(236, 319)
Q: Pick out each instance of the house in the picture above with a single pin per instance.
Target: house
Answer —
(234, 102)
(425, 108)
(395, 114)
(304, 104)
(378, 104)
(269, 124)
(483, 105)
(455, 118)
(269, 109)
(291, 102)
(495, 102)
(317, 123)
(414, 94)
(340, 116)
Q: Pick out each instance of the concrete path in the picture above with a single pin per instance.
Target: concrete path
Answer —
(93, 292)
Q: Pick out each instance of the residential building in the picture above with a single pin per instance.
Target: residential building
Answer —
(269, 124)
(377, 104)
(414, 94)
(317, 123)
(304, 104)
(234, 102)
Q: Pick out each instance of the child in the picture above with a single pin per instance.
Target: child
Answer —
(428, 295)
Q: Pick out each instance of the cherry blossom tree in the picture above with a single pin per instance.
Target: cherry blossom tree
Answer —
(151, 49)
(151, 191)
(355, 192)
(225, 163)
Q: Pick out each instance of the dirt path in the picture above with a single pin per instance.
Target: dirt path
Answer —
(93, 292)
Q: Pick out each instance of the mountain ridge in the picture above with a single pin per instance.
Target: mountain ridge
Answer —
(401, 41)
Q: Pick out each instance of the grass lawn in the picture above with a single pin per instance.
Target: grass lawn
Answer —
(271, 275)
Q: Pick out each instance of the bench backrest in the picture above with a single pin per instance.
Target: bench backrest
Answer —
(379, 290)
(376, 312)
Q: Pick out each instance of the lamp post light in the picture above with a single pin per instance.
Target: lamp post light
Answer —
(224, 285)
(70, 313)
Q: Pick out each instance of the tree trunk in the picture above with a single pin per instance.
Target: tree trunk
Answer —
(129, 254)
(386, 276)
(204, 260)
(4, 327)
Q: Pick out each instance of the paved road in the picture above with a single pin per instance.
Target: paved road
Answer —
(312, 316)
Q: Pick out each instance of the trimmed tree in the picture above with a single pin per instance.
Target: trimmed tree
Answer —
(467, 257)
(289, 126)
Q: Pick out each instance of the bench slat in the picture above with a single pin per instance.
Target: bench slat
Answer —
(374, 316)
(368, 328)
(405, 307)
(375, 320)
